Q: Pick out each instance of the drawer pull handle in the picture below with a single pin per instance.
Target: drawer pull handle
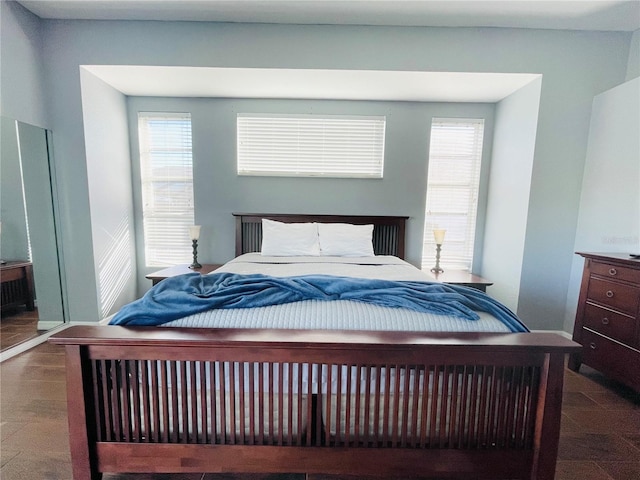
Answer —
(605, 321)
(613, 271)
(592, 346)
(609, 294)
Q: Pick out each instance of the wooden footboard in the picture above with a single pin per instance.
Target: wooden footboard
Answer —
(358, 403)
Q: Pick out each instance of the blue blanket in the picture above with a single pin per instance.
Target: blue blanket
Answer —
(183, 295)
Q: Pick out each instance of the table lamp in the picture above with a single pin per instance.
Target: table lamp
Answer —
(194, 233)
(438, 235)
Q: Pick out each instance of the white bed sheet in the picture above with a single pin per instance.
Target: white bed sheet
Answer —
(383, 267)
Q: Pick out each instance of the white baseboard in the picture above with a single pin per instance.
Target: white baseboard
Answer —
(48, 324)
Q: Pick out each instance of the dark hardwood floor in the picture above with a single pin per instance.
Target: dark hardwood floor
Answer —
(17, 325)
(600, 437)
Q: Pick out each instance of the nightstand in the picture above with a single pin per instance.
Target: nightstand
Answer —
(16, 282)
(459, 277)
(160, 275)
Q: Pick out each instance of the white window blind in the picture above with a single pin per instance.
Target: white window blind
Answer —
(167, 187)
(455, 157)
(310, 145)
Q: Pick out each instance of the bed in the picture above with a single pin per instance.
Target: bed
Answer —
(318, 401)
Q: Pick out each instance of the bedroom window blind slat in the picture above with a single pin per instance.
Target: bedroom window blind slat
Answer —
(167, 186)
(311, 145)
(453, 183)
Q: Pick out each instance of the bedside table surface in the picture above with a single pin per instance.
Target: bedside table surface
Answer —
(181, 270)
(460, 277)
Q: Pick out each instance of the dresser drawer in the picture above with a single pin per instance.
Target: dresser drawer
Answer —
(609, 323)
(613, 359)
(616, 295)
(613, 271)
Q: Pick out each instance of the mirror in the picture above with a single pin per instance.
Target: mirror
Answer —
(32, 287)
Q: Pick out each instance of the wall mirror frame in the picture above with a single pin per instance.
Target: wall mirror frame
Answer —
(28, 213)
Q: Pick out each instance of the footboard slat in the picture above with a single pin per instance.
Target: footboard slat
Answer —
(203, 404)
(290, 403)
(428, 406)
(394, 412)
(492, 405)
(183, 401)
(243, 403)
(195, 415)
(125, 370)
(96, 400)
(137, 416)
(270, 407)
(173, 389)
(310, 407)
(222, 408)
(532, 393)
(154, 403)
(217, 401)
(231, 391)
(213, 422)
(281, 422)
(434, 398)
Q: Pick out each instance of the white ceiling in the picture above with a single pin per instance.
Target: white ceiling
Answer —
(310, 83)
(615, 15)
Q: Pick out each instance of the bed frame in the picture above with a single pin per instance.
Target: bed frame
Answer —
(391, 404)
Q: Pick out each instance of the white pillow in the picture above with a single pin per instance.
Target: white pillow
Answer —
(289, 239)
(346, 240)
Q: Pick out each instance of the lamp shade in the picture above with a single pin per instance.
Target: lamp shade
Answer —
(438, 235)
(194, 232)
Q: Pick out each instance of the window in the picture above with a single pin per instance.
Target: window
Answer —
(167, 186)
(452, 191)
(310, 145)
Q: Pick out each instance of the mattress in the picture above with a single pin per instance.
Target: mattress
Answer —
(333, 315)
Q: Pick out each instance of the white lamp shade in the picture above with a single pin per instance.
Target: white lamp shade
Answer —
(438, 235)
(194, 232)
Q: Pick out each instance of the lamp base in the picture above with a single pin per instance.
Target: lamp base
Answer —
(437, 268)
(195, 265)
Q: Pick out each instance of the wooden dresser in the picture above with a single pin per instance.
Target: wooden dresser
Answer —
(608, 317)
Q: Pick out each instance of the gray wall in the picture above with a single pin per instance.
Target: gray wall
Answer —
(21, 98)
(509, 192)
(24, 97)
(219, 191)
(633, 67)
(109, 178)
(575, 66)
(23, 92)
(609, 217)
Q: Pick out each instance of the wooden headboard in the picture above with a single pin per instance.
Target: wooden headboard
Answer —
(388, 231)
